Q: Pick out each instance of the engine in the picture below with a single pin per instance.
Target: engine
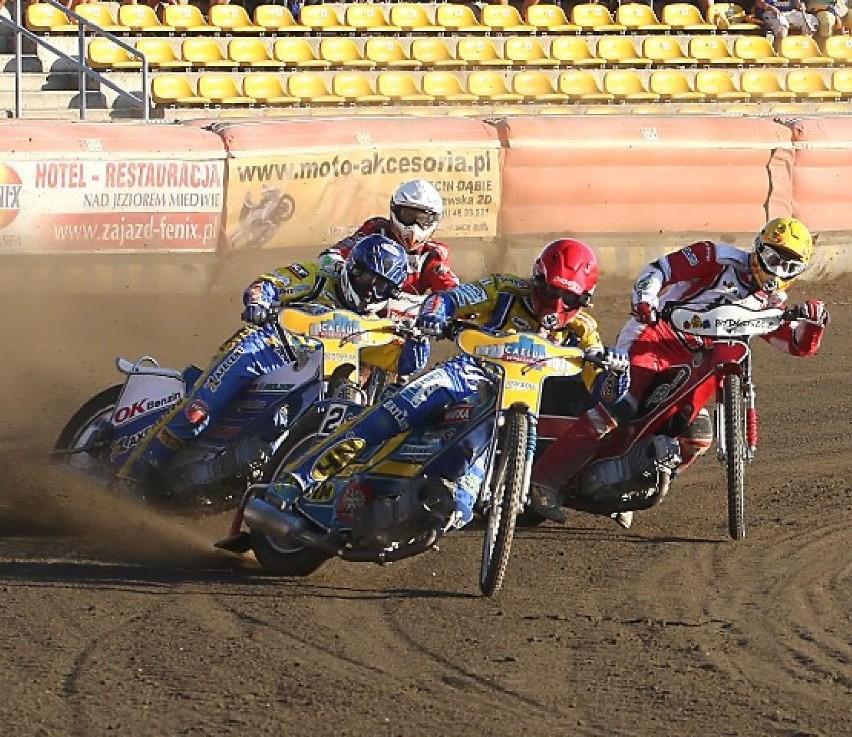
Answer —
(637, 480)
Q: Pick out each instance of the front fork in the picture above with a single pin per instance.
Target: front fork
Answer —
(750, 414)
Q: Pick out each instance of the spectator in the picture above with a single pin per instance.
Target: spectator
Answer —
(833, 18)
(779, 17)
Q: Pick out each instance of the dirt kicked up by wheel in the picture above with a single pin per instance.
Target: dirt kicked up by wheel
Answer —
(736, 454)
(507, 491)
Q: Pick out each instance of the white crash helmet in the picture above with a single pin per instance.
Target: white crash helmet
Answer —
(416, 208)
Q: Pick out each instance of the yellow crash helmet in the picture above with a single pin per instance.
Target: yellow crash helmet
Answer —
(783, 249)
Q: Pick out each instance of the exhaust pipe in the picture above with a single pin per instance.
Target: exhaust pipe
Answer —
(266, 518)
(262, 516)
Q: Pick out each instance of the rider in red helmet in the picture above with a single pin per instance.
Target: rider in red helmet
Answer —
(552, 303)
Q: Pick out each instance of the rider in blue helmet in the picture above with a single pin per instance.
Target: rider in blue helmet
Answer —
(373, 272)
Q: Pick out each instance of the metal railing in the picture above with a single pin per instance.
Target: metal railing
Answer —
(84, 71)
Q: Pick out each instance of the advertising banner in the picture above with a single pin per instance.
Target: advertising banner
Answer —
(101, 194)
(298, 192)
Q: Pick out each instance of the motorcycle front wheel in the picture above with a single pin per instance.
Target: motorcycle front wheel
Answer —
(735, 455)
(281, 555)
(507, 492)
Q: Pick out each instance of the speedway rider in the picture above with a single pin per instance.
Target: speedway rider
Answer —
(701, 273)
(373, 271)
(551, 303)
(416, 209)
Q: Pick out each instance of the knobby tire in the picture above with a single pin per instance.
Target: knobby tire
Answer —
(735, 454)
(507, 492)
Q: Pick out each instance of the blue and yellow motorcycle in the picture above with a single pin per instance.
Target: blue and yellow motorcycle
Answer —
(371, 511)
(213, 471)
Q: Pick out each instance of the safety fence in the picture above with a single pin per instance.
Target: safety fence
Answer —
(191, 197)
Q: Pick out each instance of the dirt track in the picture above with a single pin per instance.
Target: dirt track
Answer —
(118, 621)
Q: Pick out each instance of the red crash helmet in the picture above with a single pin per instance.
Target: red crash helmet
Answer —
(564, 279)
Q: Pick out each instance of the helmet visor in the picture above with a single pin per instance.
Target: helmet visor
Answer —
(409, 216)
(775, 262)
(372, 286)
(570, 300)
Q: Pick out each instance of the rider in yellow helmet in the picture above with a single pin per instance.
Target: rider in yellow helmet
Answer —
(783, 250)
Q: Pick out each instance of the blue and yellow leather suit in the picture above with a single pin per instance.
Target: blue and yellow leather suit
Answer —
(248, 354)
(499, 302)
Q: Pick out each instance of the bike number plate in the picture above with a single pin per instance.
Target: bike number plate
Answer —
(335, 416)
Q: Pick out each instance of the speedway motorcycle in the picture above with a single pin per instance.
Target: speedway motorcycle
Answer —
(214, 470)
(372, 511)
(633, 467)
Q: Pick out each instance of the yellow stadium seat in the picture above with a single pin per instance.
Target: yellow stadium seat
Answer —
(250, 52)
(446, 87)
(574, 51)
(266, 89)
(764, 84)
(412, 18)
(537, 86)
(582, 86)
(665, 51)
(712, 51)
(719, 85)
(810, 84)
(101, 15)
(757, 51)
(343, 52)
(839, 48)
(101, 53)
(277, 19)
(803, 50)
(298, 52)
(730, 17)
(160, 53)
(175, 90)
(232, 19)
(673, 85)
(841, 81)
(504, 19)
(204, 52)
(368, 18)
(221, 89)
(620, 51)
(639, 18)
(459, 19)
(356, 87)
(479, 52)
(323, 19)
(491, 86)
(685, 18)
(595, 18)
(523, 51)
(187, 19)
(141, 19)
(311, 88)
(401, 87)
(388, 52)
(550, 19)
(626, 85)
(44, 18)
(434, 52)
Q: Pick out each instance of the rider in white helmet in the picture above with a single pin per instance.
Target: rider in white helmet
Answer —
(416, 209)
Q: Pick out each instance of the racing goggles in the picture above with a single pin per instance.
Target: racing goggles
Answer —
(370, 285)
(409, 216)
(570, 300)
(774, 262)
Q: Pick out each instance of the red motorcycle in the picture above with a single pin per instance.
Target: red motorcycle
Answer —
(633, 467)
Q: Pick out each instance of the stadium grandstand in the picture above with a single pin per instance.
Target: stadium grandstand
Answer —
(168, 61)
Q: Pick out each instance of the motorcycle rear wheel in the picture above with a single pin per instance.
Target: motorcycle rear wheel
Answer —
(78, 431)
(280, 556)
(735, 454)
(507, 491)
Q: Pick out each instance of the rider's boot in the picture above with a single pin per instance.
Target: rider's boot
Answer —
(545, 501)
(438, 496)
(696, 439)
(623, 519)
